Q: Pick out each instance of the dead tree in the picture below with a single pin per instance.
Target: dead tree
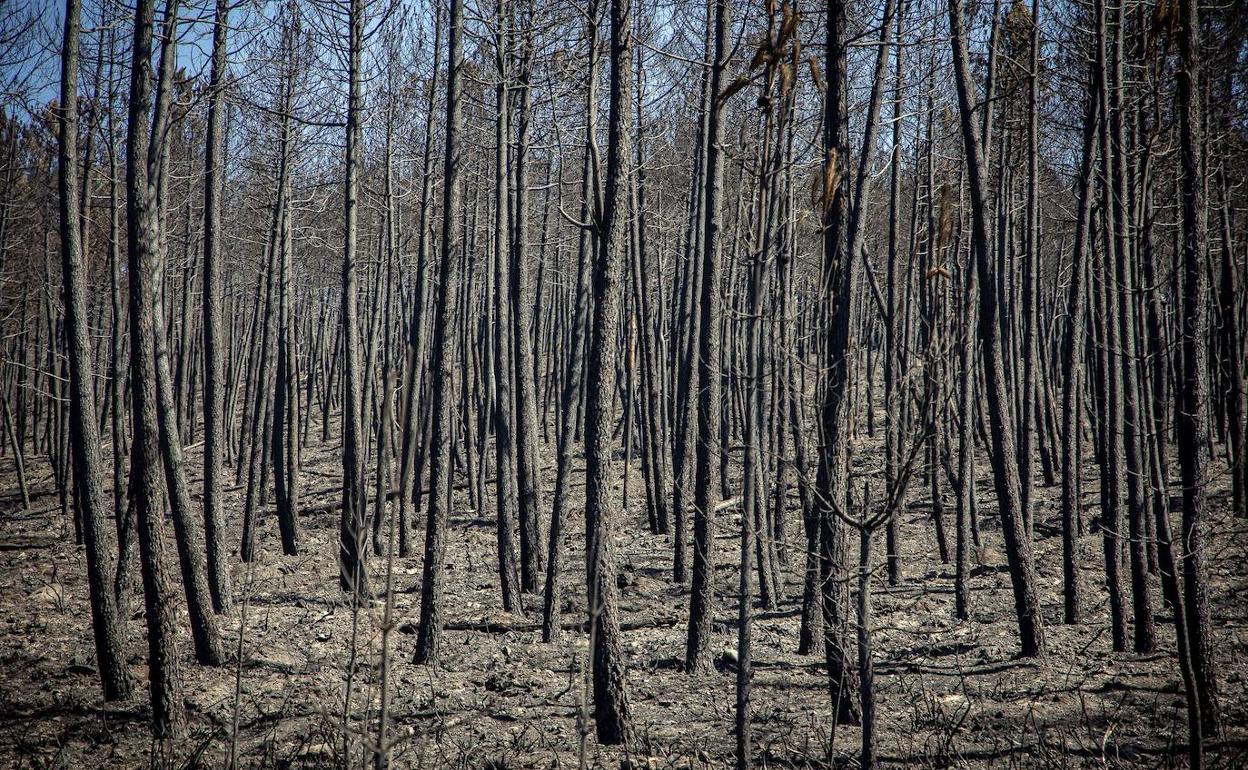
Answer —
(353, 575)
(143, 225)
(443, 342)
(214, 356)
(1072, 356)
(707, 453)
(1005, 474)
(1190, 427)
(610, 696)
(84, 438)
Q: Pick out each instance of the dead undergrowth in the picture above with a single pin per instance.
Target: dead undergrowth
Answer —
(950, 694)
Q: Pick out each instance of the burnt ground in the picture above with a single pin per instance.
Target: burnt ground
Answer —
(949, 693)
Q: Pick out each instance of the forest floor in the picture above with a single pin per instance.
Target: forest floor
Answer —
(949, 693)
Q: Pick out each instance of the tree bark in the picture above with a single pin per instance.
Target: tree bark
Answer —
(702, 595)
(1072, 358)
(610, 696)
(1005, 475)
(143, 223)
(84, 429)
(440, 366)
(214, 356)
(353, 575)
(1190, 427)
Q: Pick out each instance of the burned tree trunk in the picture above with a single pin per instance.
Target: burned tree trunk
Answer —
(1005, 474)
(214, 355)
(84, 438)
(443, 341)
(1190, 427)
(354, 572)
(143, 224)
(610, 697)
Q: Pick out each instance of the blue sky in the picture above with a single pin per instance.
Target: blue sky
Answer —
(31, 30)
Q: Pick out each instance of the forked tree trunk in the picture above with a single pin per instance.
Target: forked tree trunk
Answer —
(143, 223)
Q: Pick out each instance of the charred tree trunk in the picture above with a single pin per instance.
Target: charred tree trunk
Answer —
(1072, 359)
(707, 453)
(440, 367)
(610, 698)
(352, 532)
(84, 438)
(1190, 427)
(143, 224)
(1005, 475)
(214, 355)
